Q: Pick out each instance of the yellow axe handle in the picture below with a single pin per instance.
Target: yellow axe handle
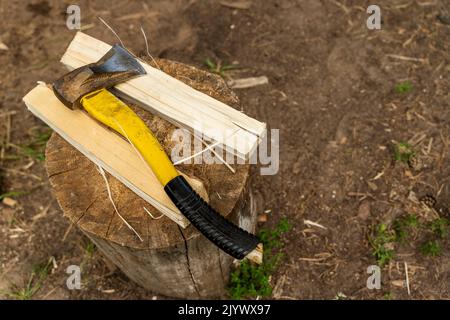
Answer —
(105, 107)
(112, 112)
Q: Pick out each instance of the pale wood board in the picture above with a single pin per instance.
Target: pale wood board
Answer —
(177, 102)
(106, 149)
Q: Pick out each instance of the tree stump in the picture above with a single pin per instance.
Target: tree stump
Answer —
(171, 261)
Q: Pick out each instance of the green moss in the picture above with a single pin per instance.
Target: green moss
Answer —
(380, 241)
(403, 87)
(404, 225)
(403, 152)
(439, 227)
(431, 248)
(251, 280)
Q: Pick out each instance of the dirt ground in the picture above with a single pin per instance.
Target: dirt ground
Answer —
(333, 93)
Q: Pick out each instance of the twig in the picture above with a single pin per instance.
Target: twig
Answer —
(25, 174)
(408, 42)
(247, 82)
(43, 213)
(407, 279)
(217, 155)
(378, 176)
(153, 217)
(102, 172)
(196, 154)
(405, 58)
(314, 224)
(8, 113)
(429, 145)
(312, 259)
(201, 151)
(137, 15)
(146, 47)
(67, 232)
(112, 30)
(342, 6)
(360, 194)
(49, 293)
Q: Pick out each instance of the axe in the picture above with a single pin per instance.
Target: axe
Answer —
(87, 88)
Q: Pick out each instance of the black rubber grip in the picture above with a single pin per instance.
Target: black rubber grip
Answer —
(224, 234)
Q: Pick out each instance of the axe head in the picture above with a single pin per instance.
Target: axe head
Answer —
(116, 66)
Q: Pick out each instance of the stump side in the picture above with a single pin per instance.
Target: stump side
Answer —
(193, 269)
(172, 261)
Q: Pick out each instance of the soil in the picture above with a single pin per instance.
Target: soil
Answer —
(331, 92)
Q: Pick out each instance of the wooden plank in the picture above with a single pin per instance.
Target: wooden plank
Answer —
(176, 102)
(106, 149)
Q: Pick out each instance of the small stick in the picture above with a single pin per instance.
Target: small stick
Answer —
(20, 173)
(150, 214)
(404, 58)
(407, 279)
(314, 224)
(204, 150)
(196, 154)
(146, 47)
(429, 145)
(217, 155)
(107, 25)
(9, 113)
(378, 176)
(67, 232)
(102, 172)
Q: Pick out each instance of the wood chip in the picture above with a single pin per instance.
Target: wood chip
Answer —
(3, 46)
(262, 218)
(10, 202)
(372, 185)
(398, 283)
(247, 82)
(109, 291)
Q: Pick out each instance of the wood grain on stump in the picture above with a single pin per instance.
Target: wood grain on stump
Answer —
(171, 261)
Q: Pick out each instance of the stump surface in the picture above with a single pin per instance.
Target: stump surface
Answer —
(170, 260)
